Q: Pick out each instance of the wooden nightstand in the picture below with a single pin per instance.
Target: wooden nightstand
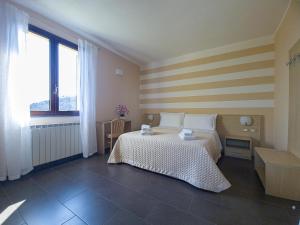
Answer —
(240, 147)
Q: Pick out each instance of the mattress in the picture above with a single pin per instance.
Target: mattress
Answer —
(164, 152)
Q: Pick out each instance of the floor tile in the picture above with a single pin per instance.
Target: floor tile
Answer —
(44, 210)
(91, 208)
(125, 218)
(77, 172)
(105, 187)
(138, 203)
(9, 214)
(247, 208)
(169, 195)
(22, 189)
(58, 185)
(90, 191)
(166, 215)
(14, 219)
(4, 201)
(128, 176)
(75, 221)
(213, 212)
(294, 215)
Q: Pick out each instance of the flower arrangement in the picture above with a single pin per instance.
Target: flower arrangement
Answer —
(122, 110)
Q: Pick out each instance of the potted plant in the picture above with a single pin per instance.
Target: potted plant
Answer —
(122, 111)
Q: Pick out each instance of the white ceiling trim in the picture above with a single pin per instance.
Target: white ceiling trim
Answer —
(282, 18)
(210, 52)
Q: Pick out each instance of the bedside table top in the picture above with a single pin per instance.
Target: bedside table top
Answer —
(245, 138)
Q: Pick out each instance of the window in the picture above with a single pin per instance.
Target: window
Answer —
(53, 70)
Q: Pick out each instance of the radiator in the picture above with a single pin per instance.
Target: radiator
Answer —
(54, 142)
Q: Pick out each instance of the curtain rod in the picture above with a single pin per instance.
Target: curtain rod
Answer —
(292, 59)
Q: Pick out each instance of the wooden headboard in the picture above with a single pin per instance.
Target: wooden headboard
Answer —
(229, 125)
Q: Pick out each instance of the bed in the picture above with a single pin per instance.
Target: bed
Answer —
(164, 152)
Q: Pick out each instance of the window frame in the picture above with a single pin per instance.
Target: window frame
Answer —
(54, 41)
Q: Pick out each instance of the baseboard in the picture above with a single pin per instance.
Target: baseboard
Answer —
(56, 162)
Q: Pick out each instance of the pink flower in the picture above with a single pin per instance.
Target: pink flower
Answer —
(122, 110)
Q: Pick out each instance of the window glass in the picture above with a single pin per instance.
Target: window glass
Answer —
(68, 79)
(38, 55)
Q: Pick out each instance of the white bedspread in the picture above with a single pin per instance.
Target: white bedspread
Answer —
(193, 161)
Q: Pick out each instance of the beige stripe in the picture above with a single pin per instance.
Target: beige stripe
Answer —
(213, 91)
(266, 103)
(216, 78)
(232, 111)
(227, 97)
(215, 58)
(229, 83)
(231, 62)
(217, 71)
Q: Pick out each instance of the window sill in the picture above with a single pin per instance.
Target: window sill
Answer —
(37, 121)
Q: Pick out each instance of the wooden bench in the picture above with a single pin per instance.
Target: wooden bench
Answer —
(279, 172)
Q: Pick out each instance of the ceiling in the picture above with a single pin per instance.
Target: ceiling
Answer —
(154, 30)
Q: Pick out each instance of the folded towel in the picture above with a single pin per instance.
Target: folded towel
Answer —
(186, 132)
(146, 129)
(187, 138)
(145, 126)
(146, 132)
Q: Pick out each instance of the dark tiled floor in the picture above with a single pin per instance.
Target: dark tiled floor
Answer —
(91, 192)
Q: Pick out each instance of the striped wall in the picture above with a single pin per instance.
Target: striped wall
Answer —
(235, 79)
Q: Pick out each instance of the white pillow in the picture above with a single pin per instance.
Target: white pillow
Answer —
(171, 120)
(200, 121)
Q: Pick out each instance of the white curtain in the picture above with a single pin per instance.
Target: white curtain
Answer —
(15, 134)
(88, 54)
